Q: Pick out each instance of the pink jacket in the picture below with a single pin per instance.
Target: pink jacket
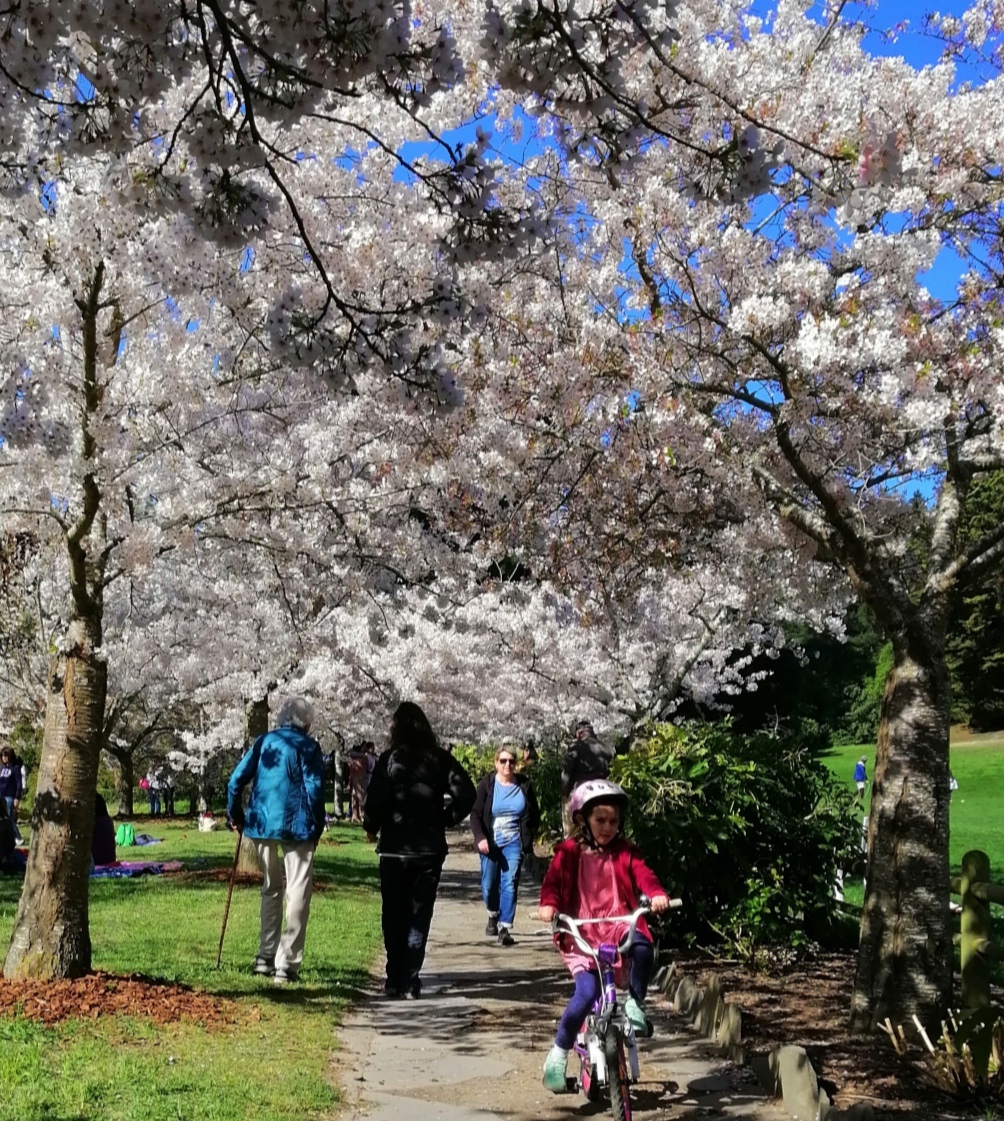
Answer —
(634, 878)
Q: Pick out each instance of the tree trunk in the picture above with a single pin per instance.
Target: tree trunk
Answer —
(127, 776)
(51, 936)
(905, 952)
(255, 725)
(248, 863)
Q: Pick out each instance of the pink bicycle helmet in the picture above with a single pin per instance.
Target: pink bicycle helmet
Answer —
(595, 790)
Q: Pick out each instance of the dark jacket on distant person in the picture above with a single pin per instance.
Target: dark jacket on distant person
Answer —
(588, 757)
(103, 841)
(10, 779)
(414, 796)
(7, 839)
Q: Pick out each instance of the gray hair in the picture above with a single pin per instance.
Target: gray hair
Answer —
(297, 711)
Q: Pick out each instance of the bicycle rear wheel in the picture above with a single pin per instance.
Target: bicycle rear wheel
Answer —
(617, 1075)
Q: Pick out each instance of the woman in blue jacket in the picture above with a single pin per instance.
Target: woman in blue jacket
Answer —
(285, 811)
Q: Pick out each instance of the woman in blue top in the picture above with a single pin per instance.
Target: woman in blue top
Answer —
(504, 823)
(286, 811)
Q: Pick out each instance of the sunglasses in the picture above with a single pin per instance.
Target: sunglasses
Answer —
(506, 762)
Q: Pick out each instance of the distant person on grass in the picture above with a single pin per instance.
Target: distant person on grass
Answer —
(7, 842)
(360, 771)
(103, 840)
(286, 811)
(861, 775)
(153, 790)
(417, 791)
(11, 788)
(504, 823)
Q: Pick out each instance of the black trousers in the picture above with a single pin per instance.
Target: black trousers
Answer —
(408, 886)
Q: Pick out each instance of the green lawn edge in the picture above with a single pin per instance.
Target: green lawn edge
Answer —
(273, 1063)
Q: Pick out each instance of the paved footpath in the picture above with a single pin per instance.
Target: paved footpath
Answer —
(472, 1049)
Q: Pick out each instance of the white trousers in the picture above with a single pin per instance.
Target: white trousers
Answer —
(298, 862)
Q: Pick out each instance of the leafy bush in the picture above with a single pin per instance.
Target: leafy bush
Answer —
(545, 774)
(749, 830)
(477, 760)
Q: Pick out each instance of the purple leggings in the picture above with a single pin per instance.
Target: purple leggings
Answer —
(587, 990)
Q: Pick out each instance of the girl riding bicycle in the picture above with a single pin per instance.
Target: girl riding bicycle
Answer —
(595, 873)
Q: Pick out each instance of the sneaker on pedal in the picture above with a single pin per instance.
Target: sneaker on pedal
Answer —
(635, 1012)
(554, 1070)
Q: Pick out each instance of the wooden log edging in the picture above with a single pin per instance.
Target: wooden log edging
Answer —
(784, 1071)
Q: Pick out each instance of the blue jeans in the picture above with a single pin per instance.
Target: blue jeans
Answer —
(154, 802)
(500, 879)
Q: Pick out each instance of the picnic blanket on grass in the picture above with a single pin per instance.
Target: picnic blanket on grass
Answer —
(122, 869)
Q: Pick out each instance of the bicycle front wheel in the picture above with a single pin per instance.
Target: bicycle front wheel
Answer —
(617, 1075)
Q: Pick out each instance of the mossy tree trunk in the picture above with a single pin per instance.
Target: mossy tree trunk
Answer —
(905, 950)
(51, 935)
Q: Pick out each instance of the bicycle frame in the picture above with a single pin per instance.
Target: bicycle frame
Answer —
(607, 1012)
(594, 1045)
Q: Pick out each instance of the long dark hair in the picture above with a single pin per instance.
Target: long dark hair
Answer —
(410, 729)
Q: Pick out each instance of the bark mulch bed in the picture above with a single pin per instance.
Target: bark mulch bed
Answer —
(242, 879)
(104, 994)
(808, 1005)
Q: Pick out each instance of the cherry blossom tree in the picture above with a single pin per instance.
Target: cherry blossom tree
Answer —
(757, 322)
(689, 330)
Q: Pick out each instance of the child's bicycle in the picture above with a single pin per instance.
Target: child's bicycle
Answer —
(606, 1044)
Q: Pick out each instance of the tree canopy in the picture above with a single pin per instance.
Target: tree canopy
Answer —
(305, 391)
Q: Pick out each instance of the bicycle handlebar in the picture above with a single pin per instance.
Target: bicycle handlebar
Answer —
(565, 924)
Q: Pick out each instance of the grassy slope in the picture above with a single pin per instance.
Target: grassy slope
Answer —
(976, 822)
(275, 1064)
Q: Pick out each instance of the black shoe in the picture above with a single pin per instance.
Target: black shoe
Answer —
(505, 938)
(492, 927)
(414, 993)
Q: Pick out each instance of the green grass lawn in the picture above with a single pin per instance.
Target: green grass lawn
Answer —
(273, 1064)
(976, 821)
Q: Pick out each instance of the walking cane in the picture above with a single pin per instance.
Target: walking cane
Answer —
(230, 894)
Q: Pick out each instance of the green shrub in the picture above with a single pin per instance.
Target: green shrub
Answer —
(748, 830)
(477, 760)
(545, 773)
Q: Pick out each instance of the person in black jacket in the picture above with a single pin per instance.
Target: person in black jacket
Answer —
(7, 842)
(587, 758)
(416, 792)
(504, 823)
(11, 787)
